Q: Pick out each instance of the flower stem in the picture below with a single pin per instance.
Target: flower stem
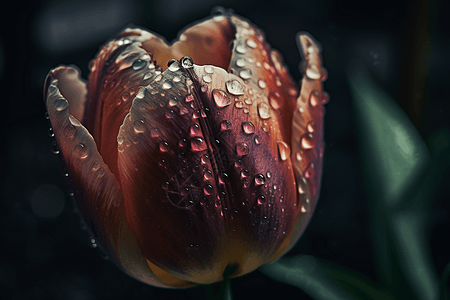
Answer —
(219, 290)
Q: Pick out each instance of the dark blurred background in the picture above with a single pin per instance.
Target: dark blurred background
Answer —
(45, 254)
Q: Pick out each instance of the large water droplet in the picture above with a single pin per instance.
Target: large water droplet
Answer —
(260, 179)
(209, 69)
(284, 150)
(198, 144)
(139, 64)
(264, 111)
(245, 74)
(313, 72)
(207, 78)
(307, 141)
(248, 127)
(242, 149)
(244, 173)
(221, 98)
(234, 87)
(80, 151)
(187, 62)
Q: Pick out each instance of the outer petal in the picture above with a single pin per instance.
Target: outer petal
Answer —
(307, 136)
(120, 69)
(99, 197)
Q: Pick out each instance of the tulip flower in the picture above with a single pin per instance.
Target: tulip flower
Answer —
(206, 168)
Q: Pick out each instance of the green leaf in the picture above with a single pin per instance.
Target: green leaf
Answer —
(398, 180)
(323, 280)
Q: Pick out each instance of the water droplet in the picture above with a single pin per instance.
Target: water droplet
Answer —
(198, 144)
(209, 69)
(207, 175)
(154, 132)
(139, 126)
(173, 65)
(245, 74)
(189, 98)
(173, 101)
(242, 149)
(170, 114)
(260, 179)
(309, 172)
(248, 101)
(208, 189)
(54, 148)
(225, 125)
(166, 85)
(50, 132)
(298, 156)
(325, 98)
(261, 200)
(158, 78)
(239, 104)
(269, 175)
(141, 94)
(240, 62)
(126, 96)
(81, 151)
(248, 127)
(262, 84)
(284, 150)
(187, 62)
(274, 99)
(307, 141)
(221, 98)
(313, 72)
(244, 173)
(264, 111)
(60, 104)
(241, 49)
(176, 79)
(164, 146)
(251, 43)
(303, 209)
(310, 126)
(139, 64)
(207, 78)
(257, 139)
(234, 87)
(195, 130)
(204, 88)
(314, 98)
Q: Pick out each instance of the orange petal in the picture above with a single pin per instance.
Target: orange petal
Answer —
(99, 197)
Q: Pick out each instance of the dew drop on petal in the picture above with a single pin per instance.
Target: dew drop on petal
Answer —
(239, 104)
(126, 96)
(173, 65)
(81, 151)
(274, 100)
(257, 139)
(244, 173)
(166, 85)
(234, 87)
(139, 126)
(198, 144)
(241, 49)
(313, 72)
(262, 84)
(251, 43)
(221, 98)
(225, 125)
(310, 126)
(164, 146)
(260, 179)
(245, 74)
(207, 78)
(261, 199)
(209, 69)
(60, 104)
(240, 62)
(248, 127)
(242, 149)
(307, 141)
(309, 172)
(154, 133)
(195, 130)
(187, 62)
(264, 111)
(314, 98)
(189, 98)
(284, 150)
(208, 189)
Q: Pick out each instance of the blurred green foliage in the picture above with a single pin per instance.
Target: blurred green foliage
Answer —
(401, 178)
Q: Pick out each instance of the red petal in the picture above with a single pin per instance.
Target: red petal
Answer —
(307, 136)
(99, 197)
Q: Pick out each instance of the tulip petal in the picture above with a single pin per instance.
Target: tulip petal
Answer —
(120, 69)
(99, 197)
(307, 136)
(262, 68)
